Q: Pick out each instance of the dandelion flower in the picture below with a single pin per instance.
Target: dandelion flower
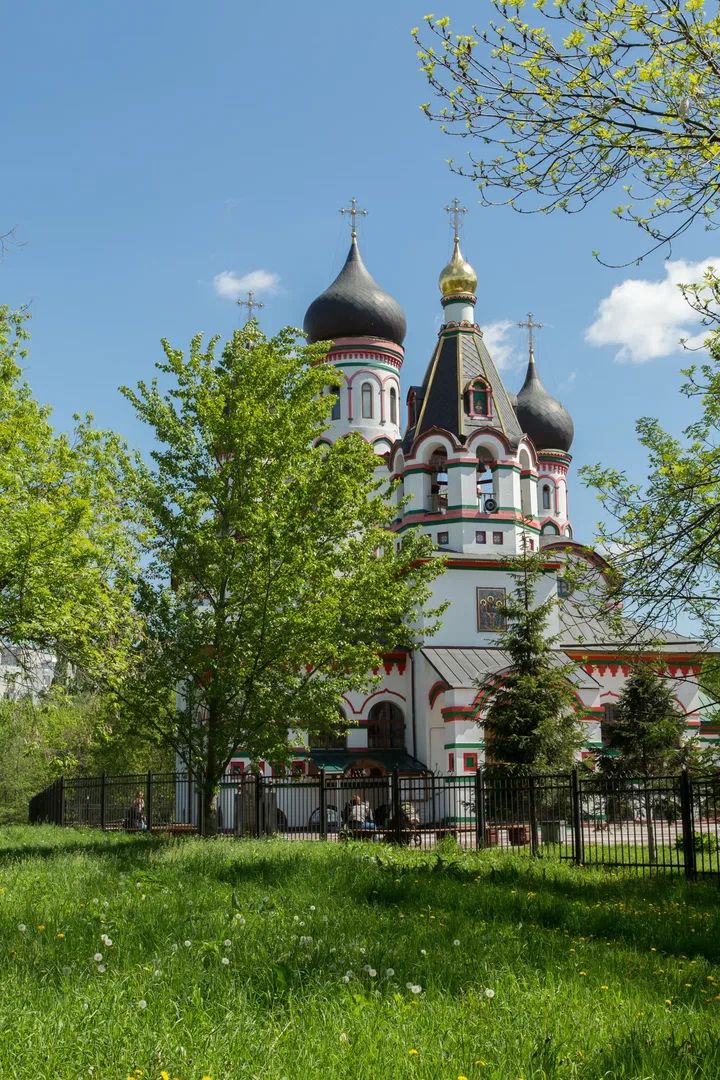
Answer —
(22, 927)
(489, 992)
(423, 952)
(306, 941)
(414, 988)
(372, 972)
(224, 960)
(101, 969)
(312, 907)
(240, 918)
(142, 1003)
(413, 1053)
(456, 942)
(346, 978)
(187, 943)
(157, 973)
(390, 972)
(227, 942)
(97, 957)
(60, 937)
(41, 927)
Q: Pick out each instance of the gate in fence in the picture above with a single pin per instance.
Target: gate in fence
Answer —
(659, 823)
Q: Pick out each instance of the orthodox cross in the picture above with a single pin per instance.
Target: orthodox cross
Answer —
(456, 210)
(531, 325)
(353, 211)
(251, 303)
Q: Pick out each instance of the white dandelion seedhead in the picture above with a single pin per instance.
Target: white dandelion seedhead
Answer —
(142, 1003)
(390, 972)
(187, 943)
(227, 942)
(225, 960)
(456, 942)
(306, 941)
(101, 969)
(489, 993)
(414, 988)
(346, 978)
(372, 972)
(22, 927)
(97, 957)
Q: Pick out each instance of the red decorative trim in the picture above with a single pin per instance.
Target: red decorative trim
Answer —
(439, 687)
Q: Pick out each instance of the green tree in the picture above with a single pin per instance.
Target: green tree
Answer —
(664, 534)
(532, 719)
(66, 552)
(564, 102)
(272, 584)
(646, 734)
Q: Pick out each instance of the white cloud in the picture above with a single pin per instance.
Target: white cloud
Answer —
(230, 286)
(646, 319)
(502, 349)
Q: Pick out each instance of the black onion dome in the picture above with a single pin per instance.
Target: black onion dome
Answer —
(354, 306)
(541, 416)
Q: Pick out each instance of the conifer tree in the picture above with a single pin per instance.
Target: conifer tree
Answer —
(645, 736)
(532, 721)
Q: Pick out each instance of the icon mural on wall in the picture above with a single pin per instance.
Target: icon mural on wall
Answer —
(489, 609)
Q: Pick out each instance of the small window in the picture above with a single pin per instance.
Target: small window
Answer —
(470, 762)
(497, 538)
(477, 398)
(412, 408)
(335, 414)
(393, 406)
(608, 719)
(443, 539)
(480, 536)
(563, 588)
(451, 762)
(546, 498)
(367, 401)
(531, 545)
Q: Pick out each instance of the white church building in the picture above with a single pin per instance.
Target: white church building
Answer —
(482, 471)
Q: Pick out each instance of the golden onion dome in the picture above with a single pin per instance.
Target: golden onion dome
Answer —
(458, 276)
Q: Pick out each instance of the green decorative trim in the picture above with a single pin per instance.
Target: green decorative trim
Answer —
(505, 468)
(467, 521)
(464, 746)
(364, 364)
(473, 506)
(424, 469)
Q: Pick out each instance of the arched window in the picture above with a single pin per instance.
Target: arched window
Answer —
(525, 481)
(546, 497)
(438, 481)
(330, 740)
(412, 408)
(335, 414)
(386, 727)
(484, 480)
(606, 723)
(366, 396)
(477, 398)
(393, 406)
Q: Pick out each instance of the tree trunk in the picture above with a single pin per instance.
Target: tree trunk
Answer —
(649, 826)
(209, 822)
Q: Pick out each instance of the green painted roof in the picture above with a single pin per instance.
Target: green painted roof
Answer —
(339, 761)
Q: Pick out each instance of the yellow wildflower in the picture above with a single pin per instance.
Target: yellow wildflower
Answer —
(412, 1052)
(41, 926)
(60, 937)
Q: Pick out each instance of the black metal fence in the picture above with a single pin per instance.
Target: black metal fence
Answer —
(659, 823)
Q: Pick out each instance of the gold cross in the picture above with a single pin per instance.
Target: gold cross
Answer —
(251, 303)
(456, 210)
(531, 325)
(353, 211)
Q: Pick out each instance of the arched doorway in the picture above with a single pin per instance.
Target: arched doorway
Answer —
(386, 727)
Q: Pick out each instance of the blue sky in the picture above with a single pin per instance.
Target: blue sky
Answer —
(149, 148)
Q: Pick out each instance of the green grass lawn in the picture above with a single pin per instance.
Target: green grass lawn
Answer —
(270, 959)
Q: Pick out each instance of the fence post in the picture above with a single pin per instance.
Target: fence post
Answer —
(200, 806)
(102, 799)
(579, 851)
(61, 815)
(258, 801)
(532, 809)
(396, 805)
(687, 825)
(323, 806)
(149, 800)
(479, 808)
